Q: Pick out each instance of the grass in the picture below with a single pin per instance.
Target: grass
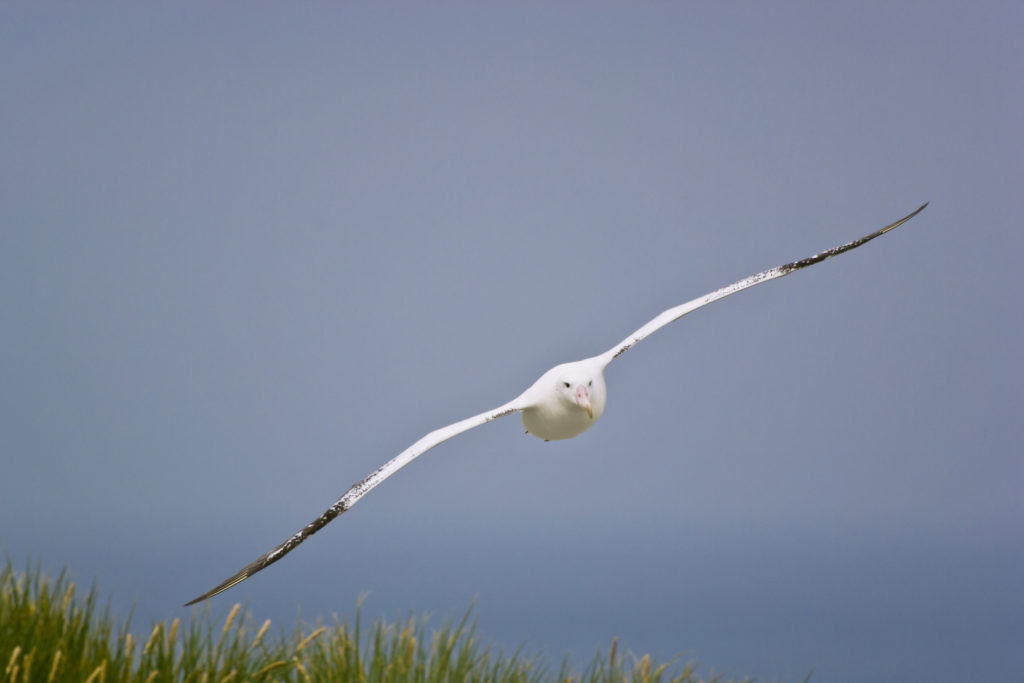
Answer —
(49, 633)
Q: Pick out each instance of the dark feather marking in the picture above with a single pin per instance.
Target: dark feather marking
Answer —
(344, 503)
(280, 551)
(778, 271)
(829, 253)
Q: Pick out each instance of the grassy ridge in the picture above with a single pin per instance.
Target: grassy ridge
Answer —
(50, 634)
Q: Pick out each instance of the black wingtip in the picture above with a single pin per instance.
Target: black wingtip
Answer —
(196, 600)
(911, 214)
(891, 226)
(233, 581)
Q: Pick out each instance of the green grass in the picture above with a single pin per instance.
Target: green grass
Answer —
(49, 633)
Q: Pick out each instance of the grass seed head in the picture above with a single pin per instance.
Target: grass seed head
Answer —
(53, 667)
(259, 634)
(306, 641)
(230, 619)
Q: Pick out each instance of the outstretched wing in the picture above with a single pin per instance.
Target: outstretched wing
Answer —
(673, 314)
(360, 489)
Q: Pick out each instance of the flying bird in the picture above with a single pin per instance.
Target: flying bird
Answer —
(564, 402)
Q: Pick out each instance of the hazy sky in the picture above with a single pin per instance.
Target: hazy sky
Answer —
(251, 251)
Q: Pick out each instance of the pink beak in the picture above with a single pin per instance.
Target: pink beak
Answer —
(583, 400)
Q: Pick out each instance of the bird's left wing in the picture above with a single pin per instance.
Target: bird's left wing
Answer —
(673, 314)
(360, 489)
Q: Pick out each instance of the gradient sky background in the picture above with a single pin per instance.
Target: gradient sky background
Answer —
(251, 251)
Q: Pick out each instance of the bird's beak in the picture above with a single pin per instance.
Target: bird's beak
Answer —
(583, 400)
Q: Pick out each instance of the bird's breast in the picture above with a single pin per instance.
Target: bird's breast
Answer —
(557, 422)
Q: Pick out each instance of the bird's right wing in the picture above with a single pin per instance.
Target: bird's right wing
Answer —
(673, 314)
(361, 489)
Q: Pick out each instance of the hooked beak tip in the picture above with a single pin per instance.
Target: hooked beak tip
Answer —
(583, 400)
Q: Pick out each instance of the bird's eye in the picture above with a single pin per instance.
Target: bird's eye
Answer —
(566, 384)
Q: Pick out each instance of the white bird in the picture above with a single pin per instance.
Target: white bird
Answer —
(564, 402)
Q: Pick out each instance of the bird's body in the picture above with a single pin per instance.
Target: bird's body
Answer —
(563, 403)
(555, 407)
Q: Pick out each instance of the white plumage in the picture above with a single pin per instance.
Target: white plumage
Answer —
(564, 402)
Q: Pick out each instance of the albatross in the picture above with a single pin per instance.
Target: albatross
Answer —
(563, 403)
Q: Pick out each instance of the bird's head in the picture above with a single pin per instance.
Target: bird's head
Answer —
(575, 389)
(580, 386)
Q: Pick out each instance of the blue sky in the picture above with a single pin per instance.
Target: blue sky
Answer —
(250, 252)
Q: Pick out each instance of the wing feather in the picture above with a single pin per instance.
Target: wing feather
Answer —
(673, 314)
(359, 490)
